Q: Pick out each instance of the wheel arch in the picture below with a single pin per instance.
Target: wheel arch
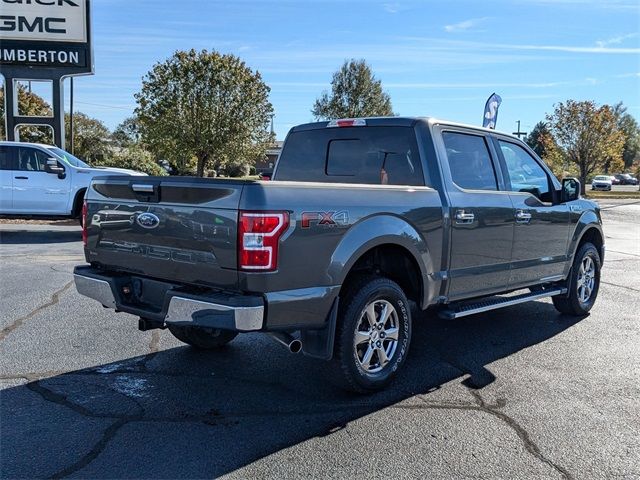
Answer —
(588, 229)
(76, 207)
(386, 244)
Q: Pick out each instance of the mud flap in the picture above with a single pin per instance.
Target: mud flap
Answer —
(319, 343)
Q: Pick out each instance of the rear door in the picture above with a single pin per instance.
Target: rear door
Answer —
(7, 158)
(481, 216)
(36, 191)
(177, 228)
(541, 232)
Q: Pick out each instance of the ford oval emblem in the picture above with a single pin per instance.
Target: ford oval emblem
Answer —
(147, 220)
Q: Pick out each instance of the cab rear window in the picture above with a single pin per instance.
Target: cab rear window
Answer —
(365, 155)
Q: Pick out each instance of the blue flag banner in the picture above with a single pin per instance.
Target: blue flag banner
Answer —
(491, 111)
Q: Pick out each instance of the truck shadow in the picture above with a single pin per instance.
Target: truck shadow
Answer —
(180, 413)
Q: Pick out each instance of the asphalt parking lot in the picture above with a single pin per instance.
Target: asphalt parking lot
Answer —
(522, 392)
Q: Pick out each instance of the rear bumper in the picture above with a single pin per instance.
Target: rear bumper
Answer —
(171, 304)
(166, 303)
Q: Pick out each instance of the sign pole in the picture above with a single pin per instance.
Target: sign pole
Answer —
(71, 134)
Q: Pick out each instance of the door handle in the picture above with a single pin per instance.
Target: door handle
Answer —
(463, 217)
(21, 178)
(522, 216)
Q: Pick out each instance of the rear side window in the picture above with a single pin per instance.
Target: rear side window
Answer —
(366, 155)
(469, 161)
(6, 158)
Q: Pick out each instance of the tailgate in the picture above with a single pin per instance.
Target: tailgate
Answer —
(181, 229)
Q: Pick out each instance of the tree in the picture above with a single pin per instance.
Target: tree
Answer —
(127, 133)
(91, 138)
(204, 105)
(355, 92)
(535, 138)
(587, 135)
(631, 129)
(32, 105)
(133, 157)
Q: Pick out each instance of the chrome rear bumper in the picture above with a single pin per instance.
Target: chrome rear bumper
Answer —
(178, 307)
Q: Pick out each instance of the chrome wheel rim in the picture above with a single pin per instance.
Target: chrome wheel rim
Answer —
(376, 336)
(586, 279)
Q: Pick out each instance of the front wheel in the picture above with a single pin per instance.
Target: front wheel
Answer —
(584, 283)
(201, 338)
(372, 334)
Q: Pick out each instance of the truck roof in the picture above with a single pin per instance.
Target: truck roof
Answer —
(28, 144)
(398, 122)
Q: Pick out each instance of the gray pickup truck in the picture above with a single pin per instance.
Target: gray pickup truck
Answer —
(365, 222)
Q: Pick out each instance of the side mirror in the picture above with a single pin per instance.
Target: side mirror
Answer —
(570, 190)
(52, 166)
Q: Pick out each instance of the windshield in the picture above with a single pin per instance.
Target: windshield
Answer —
(68, 158)
(602, 177)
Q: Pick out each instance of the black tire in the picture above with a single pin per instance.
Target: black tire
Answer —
(349, 359)
(202, 338)
(573, 304)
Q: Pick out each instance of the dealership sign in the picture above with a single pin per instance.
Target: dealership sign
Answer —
(46, 33)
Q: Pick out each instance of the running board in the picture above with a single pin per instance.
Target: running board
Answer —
(464, 309)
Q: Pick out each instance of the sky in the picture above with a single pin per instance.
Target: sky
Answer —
(434, 58)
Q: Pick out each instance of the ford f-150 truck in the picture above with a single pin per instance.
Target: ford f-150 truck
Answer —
(365, 221)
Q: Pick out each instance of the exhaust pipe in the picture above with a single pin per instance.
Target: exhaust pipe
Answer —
(293, 344)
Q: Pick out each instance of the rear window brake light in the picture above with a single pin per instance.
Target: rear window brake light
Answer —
(348, 122)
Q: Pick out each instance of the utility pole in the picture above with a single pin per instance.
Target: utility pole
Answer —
(519, 133)
(71, 113)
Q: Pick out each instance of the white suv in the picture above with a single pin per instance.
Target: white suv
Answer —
(44, 180)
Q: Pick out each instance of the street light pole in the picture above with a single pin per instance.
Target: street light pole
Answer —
(519, 133)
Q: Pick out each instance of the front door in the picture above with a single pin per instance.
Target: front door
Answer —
(481, 218)
(541, 228)
(34, 190)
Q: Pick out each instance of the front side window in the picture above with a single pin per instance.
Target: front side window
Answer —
(31, 159)
(469, 161)
(525, 173)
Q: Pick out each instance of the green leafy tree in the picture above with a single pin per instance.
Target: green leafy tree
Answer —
(355, 92)
(204, 105)
(91, 138)
(587, 135)
(631, 129)
(133, 157)
(535, 138)
(32, 105)
(127, 133)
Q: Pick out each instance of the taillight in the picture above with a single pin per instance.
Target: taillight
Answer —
(258, 238)
(85, 234)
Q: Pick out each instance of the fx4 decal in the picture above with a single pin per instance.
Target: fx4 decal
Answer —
(326, 219)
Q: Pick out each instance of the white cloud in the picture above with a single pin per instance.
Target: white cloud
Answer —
(391, 7)
(617, 40)
(464, 25)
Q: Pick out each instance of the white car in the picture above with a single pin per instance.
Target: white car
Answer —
(601, 182)
(44, 180)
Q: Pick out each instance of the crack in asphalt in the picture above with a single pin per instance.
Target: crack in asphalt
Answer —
(522, 433)
(55, 298)
(214, 418)
(621, 286)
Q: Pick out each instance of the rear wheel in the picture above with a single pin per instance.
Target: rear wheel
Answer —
(372, 335)
(202, 338)
(584, 283)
